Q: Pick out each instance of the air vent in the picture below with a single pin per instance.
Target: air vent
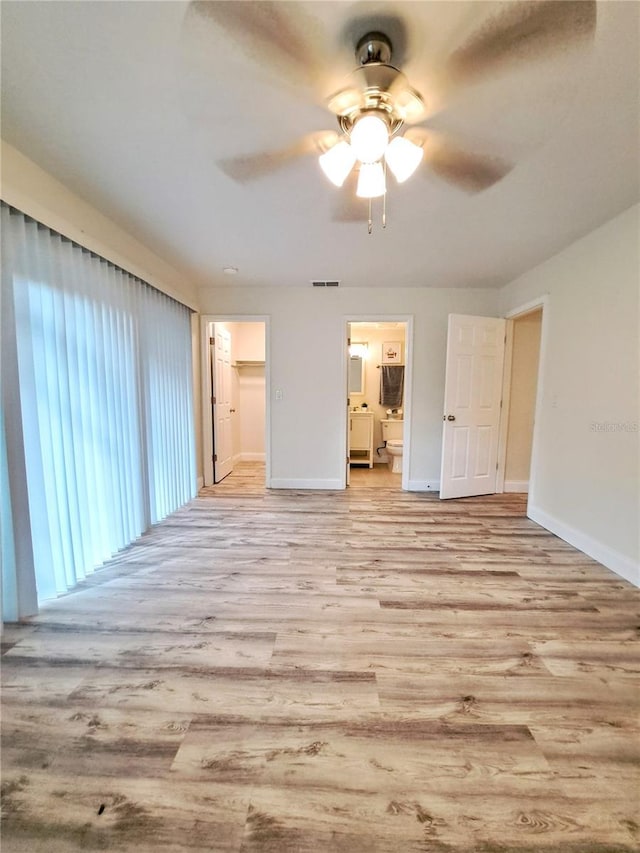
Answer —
(319, 283)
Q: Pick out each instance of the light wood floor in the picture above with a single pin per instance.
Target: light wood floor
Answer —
(380, 476)
(370, 670)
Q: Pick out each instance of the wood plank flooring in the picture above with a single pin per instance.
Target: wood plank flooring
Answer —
(363, 671)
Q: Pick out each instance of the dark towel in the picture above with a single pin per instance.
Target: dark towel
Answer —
(391, 385)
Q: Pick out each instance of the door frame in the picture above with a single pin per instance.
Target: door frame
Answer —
(205, 393)
(347, 319)
(540, 302)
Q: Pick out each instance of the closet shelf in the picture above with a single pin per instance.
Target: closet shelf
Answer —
(247, 363)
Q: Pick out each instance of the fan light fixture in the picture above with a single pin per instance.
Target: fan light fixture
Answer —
(371, 111)
(403, 158)
(371, 181)
(369, 144)
(337, 162)
(369, 138)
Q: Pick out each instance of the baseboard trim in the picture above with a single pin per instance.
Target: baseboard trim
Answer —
(286, 483)
(516, 486)
(423, 485)
(609, 557)
(251, 457)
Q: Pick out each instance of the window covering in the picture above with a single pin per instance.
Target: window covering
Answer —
(97, 411)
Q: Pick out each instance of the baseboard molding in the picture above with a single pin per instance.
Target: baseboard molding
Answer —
(285, 483)
(516, 486)
(423, 486)
(251, 457)
(612, 559)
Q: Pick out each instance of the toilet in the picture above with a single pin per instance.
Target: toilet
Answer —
(392, 431)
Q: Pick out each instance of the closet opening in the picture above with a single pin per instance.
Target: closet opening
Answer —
(234, 385)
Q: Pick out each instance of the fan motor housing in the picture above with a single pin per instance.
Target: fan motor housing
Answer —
(383, 89)
(373, 47)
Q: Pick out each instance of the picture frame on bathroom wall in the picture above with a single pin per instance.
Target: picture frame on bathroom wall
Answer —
(392, 352)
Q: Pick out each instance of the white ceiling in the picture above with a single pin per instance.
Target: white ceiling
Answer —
(133, 111)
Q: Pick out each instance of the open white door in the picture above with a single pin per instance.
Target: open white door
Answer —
(348, 422)
(220, 345)
(473, 388)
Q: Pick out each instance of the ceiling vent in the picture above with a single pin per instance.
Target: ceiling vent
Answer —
(323, 283)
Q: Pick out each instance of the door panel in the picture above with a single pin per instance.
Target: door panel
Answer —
(473, 387)
(348, 423)
(221, 395)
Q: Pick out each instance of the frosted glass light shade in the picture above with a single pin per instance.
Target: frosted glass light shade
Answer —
(369, 138)
(337, 162)
(403, 158)
(371, 182)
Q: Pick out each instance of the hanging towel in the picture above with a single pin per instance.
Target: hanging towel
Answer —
(391, 385)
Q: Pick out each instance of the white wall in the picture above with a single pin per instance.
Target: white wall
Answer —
(522, 400)
(248, 344)
(307, 355)
(251, 412)
(586, 482)
(248, 341)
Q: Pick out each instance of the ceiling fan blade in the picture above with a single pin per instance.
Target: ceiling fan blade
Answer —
(255, 166)
(471, 172)
(524, 30)
(407, 101)
(344, 101)
(277, 33)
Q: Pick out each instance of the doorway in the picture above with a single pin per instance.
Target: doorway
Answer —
(234, 387)
(519, 399)
(378, 402)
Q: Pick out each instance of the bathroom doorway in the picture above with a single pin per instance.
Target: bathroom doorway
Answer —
(378, 402)
(234, 389)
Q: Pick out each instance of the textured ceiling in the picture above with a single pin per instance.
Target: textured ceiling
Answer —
(135, 105)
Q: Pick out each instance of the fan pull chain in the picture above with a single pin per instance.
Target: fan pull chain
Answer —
(384, 197)
(370, 223)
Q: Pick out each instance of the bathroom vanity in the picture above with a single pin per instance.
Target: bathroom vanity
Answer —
(361, 438)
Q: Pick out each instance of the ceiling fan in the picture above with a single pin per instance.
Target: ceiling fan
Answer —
(383, 122)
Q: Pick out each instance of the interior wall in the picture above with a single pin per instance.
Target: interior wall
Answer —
(308, 370)
(249, 341)
(522, 400)
(251, 410)
(587, 454)
(248, 388)
(361, 332)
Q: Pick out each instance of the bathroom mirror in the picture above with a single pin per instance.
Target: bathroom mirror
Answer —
(356, 375)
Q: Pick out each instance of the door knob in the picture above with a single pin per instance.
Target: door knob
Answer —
(231, 411)
(451, 417)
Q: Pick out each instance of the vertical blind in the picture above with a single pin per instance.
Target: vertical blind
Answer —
(98, 364)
